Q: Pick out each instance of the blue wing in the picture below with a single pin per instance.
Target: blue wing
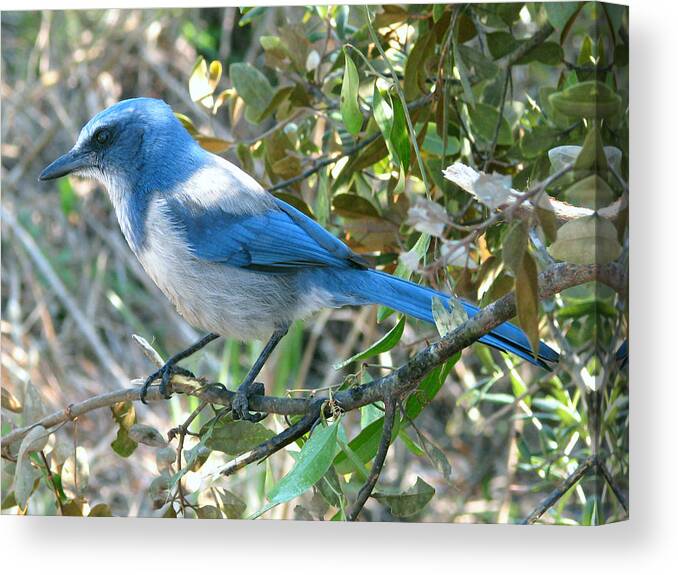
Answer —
(277, 240)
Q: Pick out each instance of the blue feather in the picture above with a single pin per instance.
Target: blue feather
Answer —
(274, 241)
(286, 240)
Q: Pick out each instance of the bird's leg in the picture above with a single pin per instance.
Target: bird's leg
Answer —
(248, 387)
(164, 374)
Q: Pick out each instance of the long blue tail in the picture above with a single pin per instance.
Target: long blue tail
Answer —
(415, 300)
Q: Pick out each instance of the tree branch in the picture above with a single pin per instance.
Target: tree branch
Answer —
(277, 442)
(552, 498)
(395, 384)
(533, 41)
(378, 463)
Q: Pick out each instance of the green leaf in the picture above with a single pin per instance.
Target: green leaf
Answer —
(329, 487)
(509, 12)
(591, 192)
(433, 143)
(589, 307)
(187, 123)
(400, 137)
(537, 141)
(412, 447)
(501, 43)
(353, 206)
(214, 74)
(481, 65)
(270, 42)
(406, 503)
(67, 196)
(25, 475)
(559, 13)
(549, 53)
(350, 109)
(585, 57)
(236, 437)
(463, 74)
(249, 14)
(208, 512)
(592, 156)
(484, 120)
(199, 87)
(415, 65)
(231, 504)
(312, 463)
(386, 343)
(253, 87)
(147, 435)
(437, 457)
(100, 510)
(587, 240)
(125, 416)
(587, 100)
(278, 99)
(364, 446)
(382, 110)
(514, 245)
(546, 216)
(527, 300)
(429, 388)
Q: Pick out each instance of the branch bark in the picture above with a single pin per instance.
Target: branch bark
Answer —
(552, 498)
(378, 463)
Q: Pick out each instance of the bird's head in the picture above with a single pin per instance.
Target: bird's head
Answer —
(126, 144)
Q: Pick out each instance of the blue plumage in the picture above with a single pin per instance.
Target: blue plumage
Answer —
(277, 240)
(232, 258)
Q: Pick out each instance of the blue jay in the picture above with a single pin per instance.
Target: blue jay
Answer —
(233, 259)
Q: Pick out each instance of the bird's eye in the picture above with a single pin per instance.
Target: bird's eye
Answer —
(102, 136)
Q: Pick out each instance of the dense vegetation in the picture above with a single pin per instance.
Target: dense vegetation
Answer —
(468, 147)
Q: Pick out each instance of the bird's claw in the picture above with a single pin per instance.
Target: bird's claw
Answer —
(240, 404)
(164, 374)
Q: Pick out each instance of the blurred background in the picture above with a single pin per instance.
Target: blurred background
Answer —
(497, 437)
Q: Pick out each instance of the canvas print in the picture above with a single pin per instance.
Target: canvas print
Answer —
(319, 263)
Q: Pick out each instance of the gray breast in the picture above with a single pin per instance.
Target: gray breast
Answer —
(231, 301)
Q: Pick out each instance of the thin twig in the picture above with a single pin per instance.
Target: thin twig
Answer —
(497, 128)
(277, 442)
(53, 481)
(378, 463)
(615, 488)
(552, 498)
(182, 431)
(532, 42)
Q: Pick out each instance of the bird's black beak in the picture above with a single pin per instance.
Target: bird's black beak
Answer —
(66, 164)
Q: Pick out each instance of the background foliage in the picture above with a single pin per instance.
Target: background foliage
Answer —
(350, 114)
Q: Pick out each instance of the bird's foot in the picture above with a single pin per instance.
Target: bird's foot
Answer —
(164, 374)
(241, 400)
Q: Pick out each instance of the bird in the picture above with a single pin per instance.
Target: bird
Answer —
(234, 260)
